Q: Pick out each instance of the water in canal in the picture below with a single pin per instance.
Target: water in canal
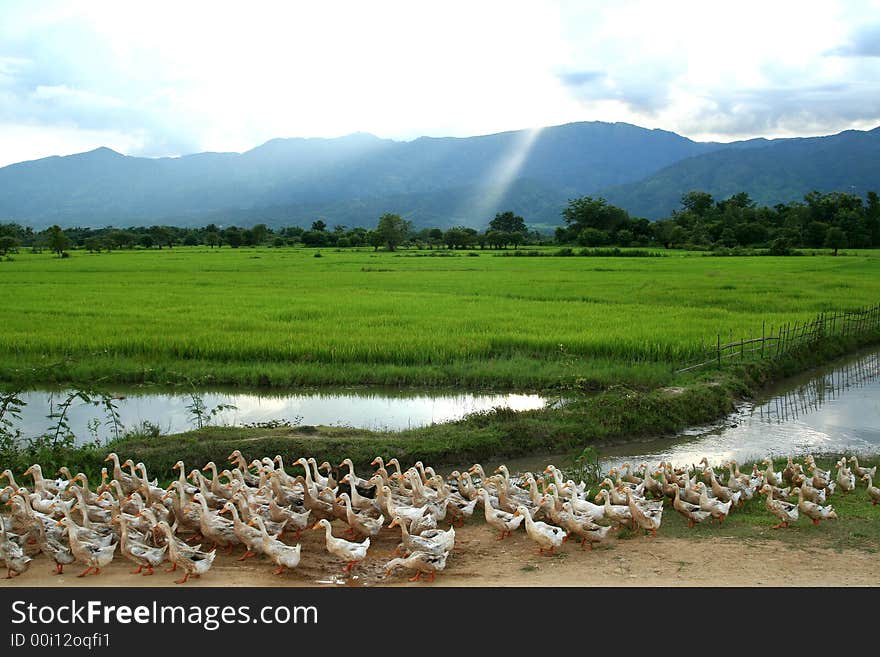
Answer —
(389, 409)
(834, 409)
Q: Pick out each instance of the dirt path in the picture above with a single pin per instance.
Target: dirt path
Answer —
(480, 560)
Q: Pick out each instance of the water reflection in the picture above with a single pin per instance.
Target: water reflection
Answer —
(388, 409)
(836, 409)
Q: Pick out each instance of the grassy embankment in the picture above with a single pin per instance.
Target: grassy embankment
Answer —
(282, 317)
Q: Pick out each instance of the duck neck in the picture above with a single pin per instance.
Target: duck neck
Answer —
(404, 530)
(310, 483)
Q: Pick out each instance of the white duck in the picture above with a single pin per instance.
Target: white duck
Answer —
(647, 515)
(859, 470)
(192, 561)
(352, 553)
(713, 505)
(435, 541)
(547, 536)
(582, 526)
(421, 562)
(14, 558)
(616, 513)
(285, 556)
(845, 478)
(813, 511)
(94, 556)
(360, 522)
(785, 511)
(145, 556)
(503, 521)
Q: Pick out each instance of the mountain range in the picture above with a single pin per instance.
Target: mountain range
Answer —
(441, 182)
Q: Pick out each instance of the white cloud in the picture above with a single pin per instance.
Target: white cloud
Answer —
(175, 77)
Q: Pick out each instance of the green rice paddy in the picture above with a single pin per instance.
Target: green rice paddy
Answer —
(284, 317)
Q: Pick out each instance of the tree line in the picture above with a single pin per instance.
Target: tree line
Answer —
(832, 220)
(391, 232)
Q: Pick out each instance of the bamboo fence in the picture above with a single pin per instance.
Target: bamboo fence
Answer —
(789, 337)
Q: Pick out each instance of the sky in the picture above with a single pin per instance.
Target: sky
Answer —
(170, 78)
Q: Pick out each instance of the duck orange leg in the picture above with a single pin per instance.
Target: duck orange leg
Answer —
(247, 555)
(59, 568)
(279, 571)
(415, 578)
(350, 565)
(138, 571)
(183, 579)
(172, 569)
(149, 570)
(85, 572)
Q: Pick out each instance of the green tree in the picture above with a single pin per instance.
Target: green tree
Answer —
(814, 234)
(835, 239)
(507, 222)
(374, 239)
(212, 235)
(662, 232)
(57, 241)
(393, 230)
(233, 237)
(314, 238)
(8, 244)
(259, 234)
(624, 237)
(93, 244)
(592, 237)
(697, 202)
(589, 212)
(319, 226)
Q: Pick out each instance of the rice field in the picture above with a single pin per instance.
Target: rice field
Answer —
(285, 317)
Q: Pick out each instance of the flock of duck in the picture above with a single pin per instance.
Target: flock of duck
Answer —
(256, 504)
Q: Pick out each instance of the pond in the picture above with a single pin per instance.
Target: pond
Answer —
(172, 410)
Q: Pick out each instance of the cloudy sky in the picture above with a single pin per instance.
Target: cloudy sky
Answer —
(170, 77)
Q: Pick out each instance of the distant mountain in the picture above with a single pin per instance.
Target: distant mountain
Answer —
(778, 172)
(352, 180)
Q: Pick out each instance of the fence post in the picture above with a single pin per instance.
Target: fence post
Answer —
(763, 332)
(718, 349)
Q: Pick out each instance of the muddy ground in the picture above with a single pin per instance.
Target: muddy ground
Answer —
(480, 560)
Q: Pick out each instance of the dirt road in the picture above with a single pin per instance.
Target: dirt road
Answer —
(480, 560)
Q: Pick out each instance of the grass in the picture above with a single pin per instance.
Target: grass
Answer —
(279, 317)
